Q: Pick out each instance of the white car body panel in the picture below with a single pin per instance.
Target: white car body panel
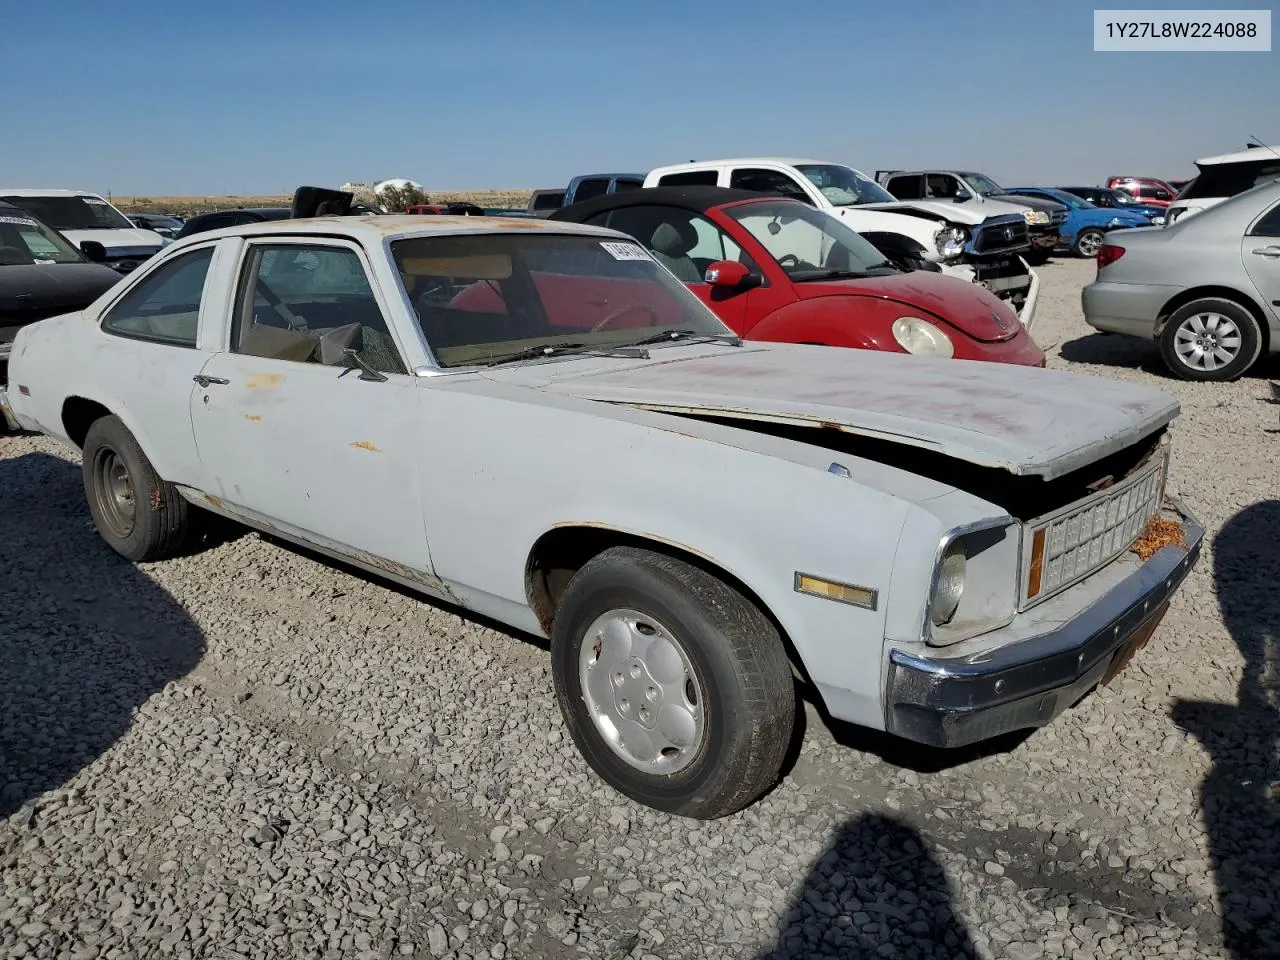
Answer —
(445, 480)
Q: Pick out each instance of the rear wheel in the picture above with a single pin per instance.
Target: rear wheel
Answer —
(676, 689)
(1211, 339)
(1088, 243)
(139, 515)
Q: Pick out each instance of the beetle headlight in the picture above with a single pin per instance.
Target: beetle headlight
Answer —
(950, 585)
(922, 338)
(1036, 216)
(950, 241)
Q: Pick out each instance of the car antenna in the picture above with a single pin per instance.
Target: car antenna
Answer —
(1259, 143)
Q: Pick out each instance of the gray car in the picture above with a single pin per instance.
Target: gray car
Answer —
(1206, 288)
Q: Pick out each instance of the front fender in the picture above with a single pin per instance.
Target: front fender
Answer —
(837, 321)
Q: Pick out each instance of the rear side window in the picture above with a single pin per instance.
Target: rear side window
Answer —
(623, 184)
(164, 307)
(1269, 225)
(768, 181)
(910, 187)
(587, 189)
(695, 178)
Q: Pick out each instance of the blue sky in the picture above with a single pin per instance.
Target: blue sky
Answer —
(258, 97)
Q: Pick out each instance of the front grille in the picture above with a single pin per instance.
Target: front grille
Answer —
(994, 237)
(1087, 535)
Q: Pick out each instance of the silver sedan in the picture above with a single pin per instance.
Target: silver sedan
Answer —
(1206, 288)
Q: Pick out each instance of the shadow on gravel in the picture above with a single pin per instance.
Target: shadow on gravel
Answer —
(85, 638)
(877, 884)
(1114, 350)
(1239, 796)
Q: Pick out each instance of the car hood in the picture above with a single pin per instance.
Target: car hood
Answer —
(47, 287)
(1025, 420)
(1033, 203)
(970, 212)
(121, 242)
(969, 307)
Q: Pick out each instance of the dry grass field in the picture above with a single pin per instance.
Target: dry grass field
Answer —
(188, 206)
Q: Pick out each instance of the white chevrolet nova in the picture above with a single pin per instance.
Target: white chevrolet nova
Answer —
(536, 422)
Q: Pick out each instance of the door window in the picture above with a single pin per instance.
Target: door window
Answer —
(907, 187)
(311, 304)
(590, 188)
(165, 306)
(767, 181)
(1269, 225)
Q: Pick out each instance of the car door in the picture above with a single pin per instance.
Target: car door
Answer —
(291, 431)
(686, 243)
(153, 346)
(1261, 254)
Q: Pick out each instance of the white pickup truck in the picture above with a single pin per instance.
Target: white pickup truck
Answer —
(980, 245)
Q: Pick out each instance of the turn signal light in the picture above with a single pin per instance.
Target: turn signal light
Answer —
(1036, 577)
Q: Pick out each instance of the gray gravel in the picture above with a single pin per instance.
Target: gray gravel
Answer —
(248, 753)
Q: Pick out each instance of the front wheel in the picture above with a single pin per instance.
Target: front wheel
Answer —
(139, 515)
(1088, 243)
(1211, 339)
(675, 688)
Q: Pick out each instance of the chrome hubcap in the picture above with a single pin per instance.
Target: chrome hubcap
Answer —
(1090, 244)
(641, 691)
(1207, 341)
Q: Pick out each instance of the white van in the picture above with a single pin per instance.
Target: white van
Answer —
(81, 216)
(1221, 178)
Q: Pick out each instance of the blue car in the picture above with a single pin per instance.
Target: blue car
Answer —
(1120, 200)
(1086, 224)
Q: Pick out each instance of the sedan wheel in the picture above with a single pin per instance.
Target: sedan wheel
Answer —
(1089, 243)
(1211, 339)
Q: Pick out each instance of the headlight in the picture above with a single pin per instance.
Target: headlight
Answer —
(950, 586)
(1157, 221)
(1036, 216)
(950, 241)
(922, 338)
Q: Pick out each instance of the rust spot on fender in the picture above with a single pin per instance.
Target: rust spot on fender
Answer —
(257, 381)
(213, 501)
(255, 417)
(365, 445)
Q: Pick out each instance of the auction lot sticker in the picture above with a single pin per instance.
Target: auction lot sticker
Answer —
(1182, 31)
(624, 251)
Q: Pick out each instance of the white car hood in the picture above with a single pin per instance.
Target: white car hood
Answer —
(970, 212)
(119, 242)
(1022, 419)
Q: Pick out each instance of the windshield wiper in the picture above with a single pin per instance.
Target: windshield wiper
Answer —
(732, 339)
(575, 349)
(843, 274)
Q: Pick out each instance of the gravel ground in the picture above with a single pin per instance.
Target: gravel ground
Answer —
(249, 753)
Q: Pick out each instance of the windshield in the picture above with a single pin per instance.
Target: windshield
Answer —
(844, 186)
(1070, 199)
(24, 241)
(73, 213)
(1126, 198)
(984, 185)
(483, 297)
(809, 244)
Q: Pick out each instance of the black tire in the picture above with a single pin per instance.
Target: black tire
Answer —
(1183, 319)
(116, 474)
(1088, 242)
(738, 662)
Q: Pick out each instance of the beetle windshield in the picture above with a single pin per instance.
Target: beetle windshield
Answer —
(484, 297)
(809, 244)
(24, 240)
(73, 213)
(844, 186)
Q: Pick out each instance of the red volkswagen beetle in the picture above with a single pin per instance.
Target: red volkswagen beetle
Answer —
(776, 269)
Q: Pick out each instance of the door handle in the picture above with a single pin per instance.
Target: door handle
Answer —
(204, 381)
(1271, 251)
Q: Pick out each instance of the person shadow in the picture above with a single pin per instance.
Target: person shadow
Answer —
(85, 636)
(877, 885)
(1239, 795)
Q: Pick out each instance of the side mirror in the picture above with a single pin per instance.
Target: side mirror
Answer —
(962, 195)
(94, 250)
(727, 274)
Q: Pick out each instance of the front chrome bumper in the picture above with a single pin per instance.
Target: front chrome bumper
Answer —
(953, 702)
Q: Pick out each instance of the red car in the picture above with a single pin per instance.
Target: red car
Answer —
(1158, 193)
(776, 269)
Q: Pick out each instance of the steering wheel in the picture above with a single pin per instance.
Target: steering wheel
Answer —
(653, 315)
(783, 260)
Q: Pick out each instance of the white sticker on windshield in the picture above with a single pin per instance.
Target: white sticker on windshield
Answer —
(21, 221)
(95, 201)
(38, 260)
(624, 251)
